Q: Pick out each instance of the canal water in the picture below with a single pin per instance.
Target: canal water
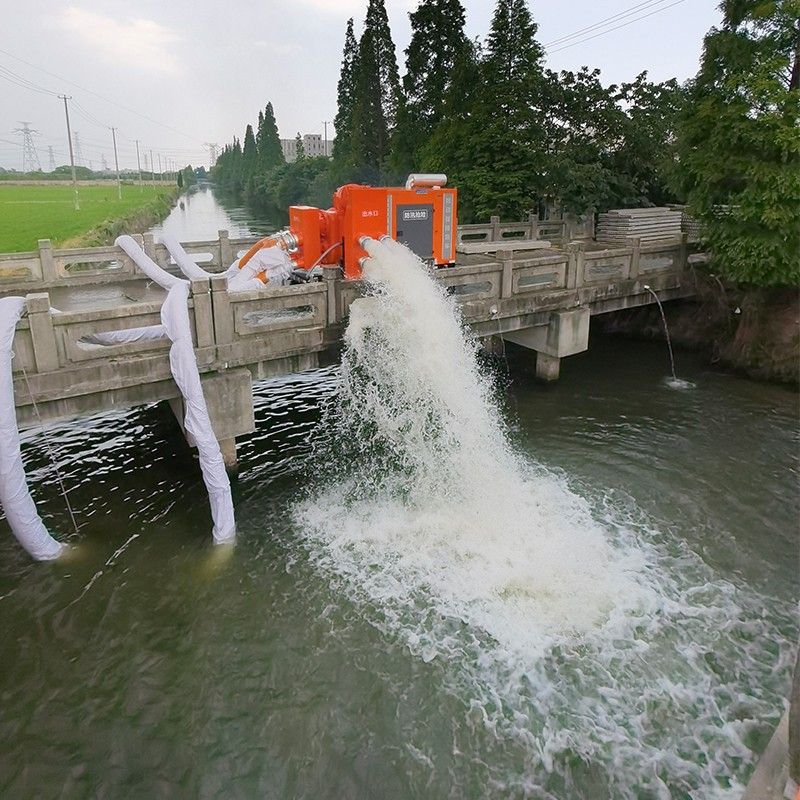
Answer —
(153, 665)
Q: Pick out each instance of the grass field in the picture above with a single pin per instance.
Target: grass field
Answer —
(30, 213)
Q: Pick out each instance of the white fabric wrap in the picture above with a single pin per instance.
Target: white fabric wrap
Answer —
(25, 522)
(183, 364)
(186, 264)
(272, 261)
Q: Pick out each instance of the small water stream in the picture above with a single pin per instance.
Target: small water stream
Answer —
(152, 668)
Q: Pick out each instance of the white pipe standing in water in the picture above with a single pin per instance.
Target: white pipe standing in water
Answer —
(183, 364)
(20, 510)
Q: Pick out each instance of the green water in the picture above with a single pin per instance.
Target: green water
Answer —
(153, 665)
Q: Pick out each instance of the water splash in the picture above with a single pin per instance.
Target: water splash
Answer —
(554, 616)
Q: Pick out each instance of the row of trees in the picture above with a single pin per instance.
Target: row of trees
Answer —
(512, 134)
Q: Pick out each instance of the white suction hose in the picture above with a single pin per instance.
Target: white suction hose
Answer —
(183, 364)
(20, 510)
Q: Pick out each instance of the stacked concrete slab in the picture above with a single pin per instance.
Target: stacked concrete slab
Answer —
(619, 225)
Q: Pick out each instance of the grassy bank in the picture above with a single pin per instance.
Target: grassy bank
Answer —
(30, 213)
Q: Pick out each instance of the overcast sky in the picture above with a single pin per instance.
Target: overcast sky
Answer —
(200, 70)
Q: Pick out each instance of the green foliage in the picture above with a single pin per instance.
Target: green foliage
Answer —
(437, 43)
(299, 147)
(270, 152)
(739, 142)
(346, 98)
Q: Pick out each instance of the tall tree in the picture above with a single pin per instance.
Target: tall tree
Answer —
(270, 152)
(299, 147)
(346, 96)
(249, 153)
(437, 42)
(739, 142)
(376, 29)
(370, 133)
(506, 137)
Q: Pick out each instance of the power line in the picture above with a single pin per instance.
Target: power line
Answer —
(19, 80)
(602, 22)
(97, 94)
(615, 28)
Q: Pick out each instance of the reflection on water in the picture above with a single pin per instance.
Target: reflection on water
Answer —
(202, 212)
(145, 668)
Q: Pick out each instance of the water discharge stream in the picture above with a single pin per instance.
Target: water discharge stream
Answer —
(551, 613)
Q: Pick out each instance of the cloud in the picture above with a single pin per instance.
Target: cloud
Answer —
(139, 43)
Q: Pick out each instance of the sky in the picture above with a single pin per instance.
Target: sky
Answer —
(178, 74)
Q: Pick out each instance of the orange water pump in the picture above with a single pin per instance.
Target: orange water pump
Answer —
(421, 215)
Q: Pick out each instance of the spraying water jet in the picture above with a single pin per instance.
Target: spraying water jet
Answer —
(674, 382)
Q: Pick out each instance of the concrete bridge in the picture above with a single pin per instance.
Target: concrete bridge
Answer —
(509, 284)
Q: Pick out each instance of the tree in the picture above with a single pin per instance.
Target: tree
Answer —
(437, 43)
(346, 95)
(377, 89)
(500, 155)
(249, 154)
(270, 152)
(299, 147)
(739, 142)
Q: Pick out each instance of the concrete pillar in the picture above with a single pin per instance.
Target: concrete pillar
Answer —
(226, 256)
(149, 247)
(495, 223)
(228, 449)
(547, 367)
(203, 316)
(43, 335)
(575, 264)
(506, 258)
(533, 221)
(331, 275)
(47, 261)
(636, 245)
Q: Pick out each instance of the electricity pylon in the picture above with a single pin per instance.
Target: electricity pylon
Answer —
(30, 158)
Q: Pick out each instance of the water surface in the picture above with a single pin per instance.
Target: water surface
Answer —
(153, 666)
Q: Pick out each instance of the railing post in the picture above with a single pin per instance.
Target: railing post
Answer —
(506, 258)
(332, 275)
(203, 316)
(223, 314)
(225, 250)
(533, 221)
(149, 246)
(683, 252)
(569, 227)
(495, 223)
(577, 258)
(43, 335)
(636, 256)
(47, 261)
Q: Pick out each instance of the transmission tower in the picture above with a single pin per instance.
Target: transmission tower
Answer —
(212, 152)
(104, 162)
(52, 156)
(78, 153)
(30, 158)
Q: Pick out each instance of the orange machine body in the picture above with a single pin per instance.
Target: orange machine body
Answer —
(422, 217)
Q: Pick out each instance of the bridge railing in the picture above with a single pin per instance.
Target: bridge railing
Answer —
(274, 330)
(562, 230)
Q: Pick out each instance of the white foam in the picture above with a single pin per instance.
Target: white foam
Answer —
(568, 629)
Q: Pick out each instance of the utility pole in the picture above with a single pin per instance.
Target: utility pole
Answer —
(326, 123)
(212, 152)
(152, 169)
(30, 158)
(139, 165)
(71, 154)
(160, 173)
(116, 162)
(52, 157)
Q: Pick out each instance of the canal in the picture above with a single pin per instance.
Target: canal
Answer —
(298, 665)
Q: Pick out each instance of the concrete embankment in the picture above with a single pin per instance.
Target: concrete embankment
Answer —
(755, 331)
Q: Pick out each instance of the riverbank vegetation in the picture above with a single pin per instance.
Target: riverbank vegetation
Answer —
(30, 213)
(515, 136)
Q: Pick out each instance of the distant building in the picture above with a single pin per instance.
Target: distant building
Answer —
(313, 143)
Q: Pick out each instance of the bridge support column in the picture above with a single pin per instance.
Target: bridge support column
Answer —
(547, 367)
(229, 398)
(566, 333)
